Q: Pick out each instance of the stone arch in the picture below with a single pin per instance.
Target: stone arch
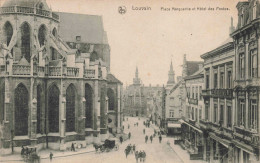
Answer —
(2, 103)
(21, 98)
(42, 32)
(70, 108)
(54, 32)
(8, 32)
(111, 99)
(53, 108)
(26, 41)
(88, 106)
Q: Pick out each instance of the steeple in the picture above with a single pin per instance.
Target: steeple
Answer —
(171, 76)
(136, 80)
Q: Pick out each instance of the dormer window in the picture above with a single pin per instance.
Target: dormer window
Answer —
(254, 10)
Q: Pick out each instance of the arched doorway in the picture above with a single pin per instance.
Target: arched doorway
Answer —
(88, 106)
(111, 99)
(53, 108)
(39, 108)
(26, 41)
(2, 103)
(21, 110)
(70, 108)
(8, 29)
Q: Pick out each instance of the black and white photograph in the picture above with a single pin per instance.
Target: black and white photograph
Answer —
(129, 81)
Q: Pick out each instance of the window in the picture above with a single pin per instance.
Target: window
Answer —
(222, 80)
(215, 113)
(196, 92)
(229, 79)
(200, 114)
(171, 114)
(193, 92)
(207, 81)
(253, 114)
(196, 114)
(192, 114)
(242, 66)
(221, 115)
(215, 80)
(78, 38)
(200, 90)
(253, 63)
(229, 116)
(241, 113)
(207, 111)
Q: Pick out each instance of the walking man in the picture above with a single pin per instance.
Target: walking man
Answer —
(144, 130)
(129, 135)
(144, 156)
(136, 156)
(121, 139)
(51, 155)
(151, 138)
(134, 147)
(146, 138)
(160, 138)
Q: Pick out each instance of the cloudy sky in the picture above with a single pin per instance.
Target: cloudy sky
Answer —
(149, 39)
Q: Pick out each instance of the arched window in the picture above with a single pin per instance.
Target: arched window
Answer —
(39, 108)
(88, 106)
(42, 35)
(111, 99)
(26, 41)
(54, 32)
(41, 6)
(8, 29)
(2, 103)
(93, 56)
(53, 109)
(21, 110)
(70, 108)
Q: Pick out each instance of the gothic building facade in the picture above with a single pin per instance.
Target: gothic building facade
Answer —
(55, 82)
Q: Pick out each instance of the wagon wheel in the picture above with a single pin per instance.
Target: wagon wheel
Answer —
(116, 147)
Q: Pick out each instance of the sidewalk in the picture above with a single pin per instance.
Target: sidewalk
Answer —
(44, 154)
(184, 155)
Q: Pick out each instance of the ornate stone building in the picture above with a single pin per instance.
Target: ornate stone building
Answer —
(55, 80)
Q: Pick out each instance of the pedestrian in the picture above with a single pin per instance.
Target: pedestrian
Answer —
(23, 150)
(121, 139)
(151, 138)
(51, 155)
(137, 124)
(160, 138)
(136, 156)
(144, 156)
(129, 135)
(134, 147)
(72, 147)
(128, 126)
(140, 155)
(146, 138)
(144, 130)
(126, 152)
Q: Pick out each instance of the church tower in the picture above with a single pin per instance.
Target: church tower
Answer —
(171, 76)
(136, 80)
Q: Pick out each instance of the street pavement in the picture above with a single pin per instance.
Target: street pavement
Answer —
(155, 152)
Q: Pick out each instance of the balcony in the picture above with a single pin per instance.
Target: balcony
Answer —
(2, 70)
(72, 72)
(54, 71)
(89, 73)
(29, 11)
(205, 92)
(204, 124)
(21, 70)
(226, 93)
(193, 101)
(248, 136)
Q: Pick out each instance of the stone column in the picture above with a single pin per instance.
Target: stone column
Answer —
(33, 112)
(246, 62)
(62, 116)
(211, 151)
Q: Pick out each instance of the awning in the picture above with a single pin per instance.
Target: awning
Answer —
(174, 125)
(195, 128)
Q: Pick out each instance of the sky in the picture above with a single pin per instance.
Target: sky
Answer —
(150, 39)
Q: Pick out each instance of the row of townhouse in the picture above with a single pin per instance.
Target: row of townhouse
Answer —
(221, 117)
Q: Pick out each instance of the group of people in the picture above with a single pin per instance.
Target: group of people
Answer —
(140, 155)
(129, 149)
(147, 123)
(151, 138)
(136, 124)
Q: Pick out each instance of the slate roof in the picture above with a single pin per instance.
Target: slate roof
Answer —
(112, 79)
(192, 67)
(89, 27)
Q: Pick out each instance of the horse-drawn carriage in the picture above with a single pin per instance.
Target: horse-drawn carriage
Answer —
(109, 144)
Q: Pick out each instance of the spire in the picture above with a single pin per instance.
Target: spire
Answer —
(171, 67)
(231, 28)
(171, 75)
(136, 80)
(136, 72)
